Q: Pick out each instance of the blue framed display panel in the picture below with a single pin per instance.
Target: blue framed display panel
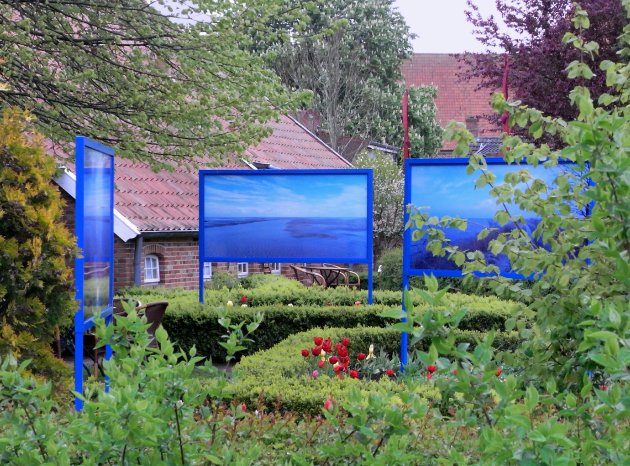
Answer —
(286, 216)
(449, 191)
(94, 228)
(453, 192)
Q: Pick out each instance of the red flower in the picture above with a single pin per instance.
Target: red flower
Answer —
(499, 371)
(338, 369)
(345, 342)
(354, 374)
(316, 351)
(361, 356)
(342, 351)
(318, 341)
(429, 375)
(244, 407)
(243, 299)
(321, 363)
(431, 369)
(390, 372)
(305, 353)
(328, 404)
(333, 360)
(603, 387)
(327, 345)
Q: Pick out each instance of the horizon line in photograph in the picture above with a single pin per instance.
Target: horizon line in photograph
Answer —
(285, 196)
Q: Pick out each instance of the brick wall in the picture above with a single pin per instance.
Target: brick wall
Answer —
(123, 263)
(178, 259)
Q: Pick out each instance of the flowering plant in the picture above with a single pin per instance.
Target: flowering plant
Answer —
(335, 360)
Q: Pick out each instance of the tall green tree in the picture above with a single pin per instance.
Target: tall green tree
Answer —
(389, 184)
(348, 55)
(425, 133)
(162, 80)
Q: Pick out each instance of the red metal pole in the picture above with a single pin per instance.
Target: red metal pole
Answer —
(505, 116)
(405, 122)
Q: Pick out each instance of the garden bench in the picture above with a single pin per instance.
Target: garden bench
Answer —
(308, 277)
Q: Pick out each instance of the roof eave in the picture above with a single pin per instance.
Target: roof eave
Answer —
(123, 227)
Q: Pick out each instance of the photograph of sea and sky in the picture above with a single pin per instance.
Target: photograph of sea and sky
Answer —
(444, 189)
(284, 216)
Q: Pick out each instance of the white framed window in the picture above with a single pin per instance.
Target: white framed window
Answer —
(276, 268)
(207, 271)
(151, 269)
(242, 269)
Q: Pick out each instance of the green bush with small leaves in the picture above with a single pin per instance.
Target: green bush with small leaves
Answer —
(190, 323)
(280, 376)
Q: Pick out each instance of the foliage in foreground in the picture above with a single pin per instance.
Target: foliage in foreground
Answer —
(164, 407)
(567, 401)
(36, 292)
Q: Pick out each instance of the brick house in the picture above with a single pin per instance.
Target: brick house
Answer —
(156, 213)
(457, 99)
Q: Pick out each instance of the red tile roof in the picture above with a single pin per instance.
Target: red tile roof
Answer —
(168, 200)
(456, 99)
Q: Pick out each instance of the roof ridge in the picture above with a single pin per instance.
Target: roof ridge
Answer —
(314, 136)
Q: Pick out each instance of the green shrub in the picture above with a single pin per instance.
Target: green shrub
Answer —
(389, 270)
(279, 376)
(36, 249)
(192, 324)
(284, 291)
(222, 280)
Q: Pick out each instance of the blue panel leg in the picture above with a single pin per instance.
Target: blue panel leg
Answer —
(404, 338)
(370, 283)
(78, 358)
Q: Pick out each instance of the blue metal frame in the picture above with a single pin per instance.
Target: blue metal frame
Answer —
(407, 270)
(80, 323)
(367, 259)
(409, 164)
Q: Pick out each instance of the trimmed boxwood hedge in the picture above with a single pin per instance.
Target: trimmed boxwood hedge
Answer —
(191, 324)
(284, 291)
(279, 376)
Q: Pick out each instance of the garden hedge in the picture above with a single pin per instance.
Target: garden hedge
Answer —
(278, 378)
(191, 324)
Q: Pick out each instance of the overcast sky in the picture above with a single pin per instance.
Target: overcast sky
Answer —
(441, 25)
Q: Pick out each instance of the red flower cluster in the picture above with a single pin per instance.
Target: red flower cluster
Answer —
(243, 299)
(339, 355)
(430, 370)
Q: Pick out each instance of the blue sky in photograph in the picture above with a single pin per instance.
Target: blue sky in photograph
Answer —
(97, 193)
(277, 195)
(448, 190)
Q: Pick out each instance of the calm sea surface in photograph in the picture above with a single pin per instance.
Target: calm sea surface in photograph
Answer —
(421, 259)
(286, 237)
